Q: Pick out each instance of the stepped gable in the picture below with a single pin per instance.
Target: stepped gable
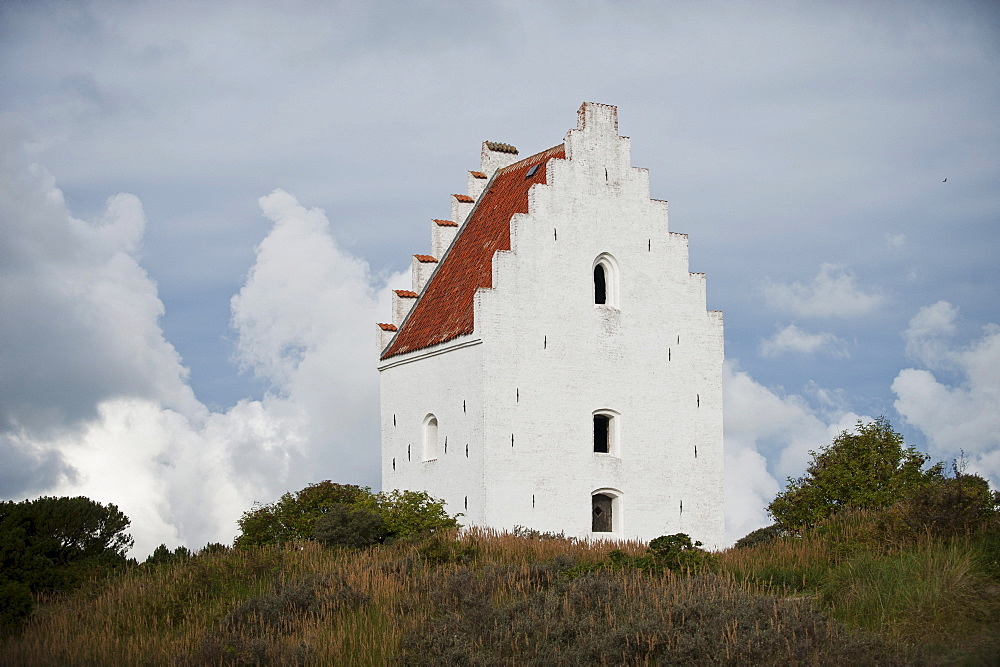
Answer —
(445, 308)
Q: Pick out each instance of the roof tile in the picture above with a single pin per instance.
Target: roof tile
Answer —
(464, 198)
(446, 307)
(446, 223)
(426, 259)
(477, 174)
(406, 294)
(386, 327)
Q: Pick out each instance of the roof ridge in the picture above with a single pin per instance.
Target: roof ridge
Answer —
(541, 155)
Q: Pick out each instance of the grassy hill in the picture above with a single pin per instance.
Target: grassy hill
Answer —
(842, 593)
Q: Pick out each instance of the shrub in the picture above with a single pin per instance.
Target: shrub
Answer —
(869, 469)
(760, 536)
(15, 606)
(293, 517)
(945, 508)
(348, 526)
(54, 543)
(502, 616)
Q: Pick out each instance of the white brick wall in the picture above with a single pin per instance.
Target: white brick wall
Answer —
(544, 357)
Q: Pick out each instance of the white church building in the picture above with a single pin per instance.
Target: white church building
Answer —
(554, 365)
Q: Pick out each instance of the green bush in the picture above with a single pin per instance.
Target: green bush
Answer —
(760, 536)
(349, 526)
(294, 517)
(54, 543)
(15, 606)
(869, 469)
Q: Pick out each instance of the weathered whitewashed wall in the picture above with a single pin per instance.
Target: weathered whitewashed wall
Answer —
(544, 358)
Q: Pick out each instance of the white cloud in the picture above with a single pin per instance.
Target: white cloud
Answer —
(792, 339)
(768, 437)
(963, 415)
(834, 292)
(895, 240)
(96, 401)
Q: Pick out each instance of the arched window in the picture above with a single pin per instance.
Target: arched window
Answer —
(430, 438)
(600, 285)
(606, 432)
(606, 281)
(605, 511)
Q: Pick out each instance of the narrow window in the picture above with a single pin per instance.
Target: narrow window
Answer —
(606, 281)
(602, 428)
(467, 502)
(601, 520)
(606, 431)
(600, 285)
(394, 464)
(466, 450)
(430, 438)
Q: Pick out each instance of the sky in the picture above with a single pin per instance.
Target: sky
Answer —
(204, 207)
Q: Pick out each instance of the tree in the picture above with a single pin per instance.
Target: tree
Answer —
(296, 517)
(51, 544)
(866, 469)
(350, 526)
(293, 517)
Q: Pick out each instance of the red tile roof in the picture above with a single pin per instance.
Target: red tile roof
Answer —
(386, 327)
(405, 293)
(477, 174)
(464, 198)
(425, 258)
(445, 309)
(446, 223)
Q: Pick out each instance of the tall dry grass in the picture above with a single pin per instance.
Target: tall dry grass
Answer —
(485, 597)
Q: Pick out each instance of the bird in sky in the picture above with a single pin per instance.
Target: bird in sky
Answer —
(945, 180)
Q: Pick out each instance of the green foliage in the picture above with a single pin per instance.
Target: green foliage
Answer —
(675, 552)
(957, 505)
(532, 534)
(350, 526)
(411, 513)
(296, 517)
(293, 517)
(15, 606)
(869, 468)
(162, 554)
(759, 536)
(52, 543)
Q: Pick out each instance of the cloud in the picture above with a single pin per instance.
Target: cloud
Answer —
(768, 437)
(963, 415)
(895, 240)
(834, 292)
(791, 339)
(95, 401)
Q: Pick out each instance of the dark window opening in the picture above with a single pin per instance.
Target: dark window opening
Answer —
(517, 395)
(649, 245)
(602, 433)
(408, 453)
(394, 464)
(600, 285)
(532, 500)
(545, 343)
(697, 398)
(555, 235)
(696, 451)
(445, 444)
(511, 439)
(601, 513)
(394, 420)
(668, 354)
(466, 451)
(467, 502)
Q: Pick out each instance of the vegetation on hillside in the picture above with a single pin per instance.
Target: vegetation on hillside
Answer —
(337, 574)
